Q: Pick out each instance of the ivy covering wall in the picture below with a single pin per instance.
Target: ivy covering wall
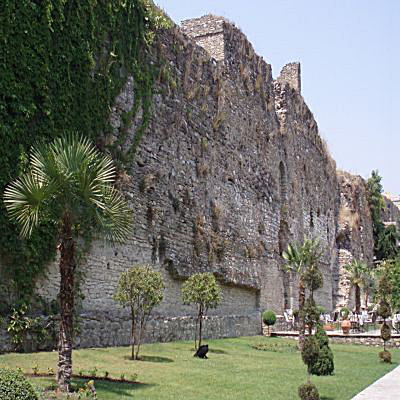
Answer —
(62, 63)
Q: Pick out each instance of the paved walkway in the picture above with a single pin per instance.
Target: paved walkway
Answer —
(385, 388)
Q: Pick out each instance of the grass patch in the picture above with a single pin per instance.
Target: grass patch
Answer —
(234, 370)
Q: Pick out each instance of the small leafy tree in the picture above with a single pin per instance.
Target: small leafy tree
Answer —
(203, 291)
(140, 289)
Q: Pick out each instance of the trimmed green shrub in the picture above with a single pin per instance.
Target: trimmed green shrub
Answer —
(310, 352)
(384, 310)
(324, 364)
(386, 332)
(269, 317)
(14, 386)
(345, 312)
(308, 391)
(385, 356)
(321, 336)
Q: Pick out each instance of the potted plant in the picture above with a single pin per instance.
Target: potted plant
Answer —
(346, 324)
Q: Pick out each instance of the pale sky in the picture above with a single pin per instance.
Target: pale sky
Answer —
(350, 57)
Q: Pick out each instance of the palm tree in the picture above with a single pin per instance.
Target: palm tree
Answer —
(69, 183)
(300, 259)
(358, 277)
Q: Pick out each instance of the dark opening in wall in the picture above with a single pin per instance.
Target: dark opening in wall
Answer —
(311, 219)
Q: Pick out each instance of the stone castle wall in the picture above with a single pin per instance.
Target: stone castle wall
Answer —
(354, 236)
(230, 171)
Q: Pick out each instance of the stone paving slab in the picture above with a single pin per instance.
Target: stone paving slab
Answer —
(385, 388)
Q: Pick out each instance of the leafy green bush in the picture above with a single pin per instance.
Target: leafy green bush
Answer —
(324, 364)
(345, 312)
(385, 356)
(269, 317)
(386, 332)
(310, 352)
(311, 313)
(384, 310)
(14, 386)
(308, 391)
(321, 336)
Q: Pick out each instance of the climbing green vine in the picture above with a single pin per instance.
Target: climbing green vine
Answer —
(62, 63)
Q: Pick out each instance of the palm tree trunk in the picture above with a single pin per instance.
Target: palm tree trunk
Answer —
(358, 298)
(302, 299)
(67, 270)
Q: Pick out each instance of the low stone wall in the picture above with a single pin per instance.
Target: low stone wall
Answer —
(362, 339)
(100, 330)
(375, 341)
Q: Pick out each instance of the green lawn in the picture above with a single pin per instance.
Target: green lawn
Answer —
(234, 370)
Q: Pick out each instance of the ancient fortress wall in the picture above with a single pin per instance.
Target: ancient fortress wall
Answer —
(231, 169)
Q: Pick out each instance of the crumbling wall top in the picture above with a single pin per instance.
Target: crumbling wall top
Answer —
(207, 32)
(291, 74)
(202, 26)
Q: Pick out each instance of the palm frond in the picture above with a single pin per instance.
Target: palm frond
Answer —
(114, 215)
(69, 176)
(24, 199)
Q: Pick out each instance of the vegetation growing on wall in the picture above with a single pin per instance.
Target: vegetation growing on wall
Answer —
(385, 238)
(61, 66)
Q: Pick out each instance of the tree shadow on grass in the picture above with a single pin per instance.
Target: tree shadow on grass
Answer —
(104, 387)
(327, 398)
(217, 351)
(156, 359)
(121, 389)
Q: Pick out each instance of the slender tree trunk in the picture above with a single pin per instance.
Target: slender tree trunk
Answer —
(366, 299)
(67, 271)
(141, 331)
(358, 298)
(302, 299)
(200, 324)
(133, 337)
(195, 332)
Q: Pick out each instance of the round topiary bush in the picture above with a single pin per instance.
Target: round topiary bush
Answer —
(385, 357)
(324, 364)
(308, 391)
(345, 312)
(269, 318)
(384, 310)
(14, 386)
(321, 336)
(386, 332)
(310, 352)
